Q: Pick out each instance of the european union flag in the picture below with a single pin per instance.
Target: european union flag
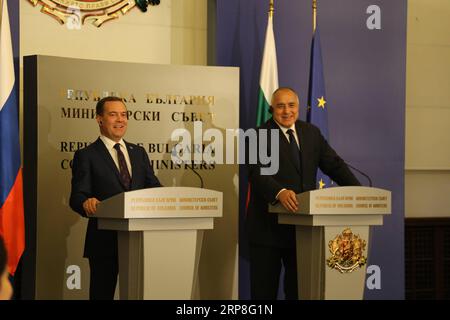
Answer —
(317, 101)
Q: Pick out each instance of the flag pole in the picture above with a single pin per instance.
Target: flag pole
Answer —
(271, 9)
(314, 14)
(1, 11)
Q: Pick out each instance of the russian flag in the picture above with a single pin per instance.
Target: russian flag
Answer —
(12, 227)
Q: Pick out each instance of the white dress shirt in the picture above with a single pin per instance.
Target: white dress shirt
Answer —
(284, 130)
(113, 152)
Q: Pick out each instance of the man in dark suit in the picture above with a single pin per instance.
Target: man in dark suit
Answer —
(302, 150)
(107, 167)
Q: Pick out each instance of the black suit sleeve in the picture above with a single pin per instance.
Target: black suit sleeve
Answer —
(267, 185)
(81, 182)
(333, 165)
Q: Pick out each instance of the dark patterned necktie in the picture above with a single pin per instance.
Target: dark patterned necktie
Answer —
(295, 151)
(123, 169)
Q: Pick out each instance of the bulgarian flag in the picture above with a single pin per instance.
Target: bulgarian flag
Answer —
(268, 81)
(11, 196)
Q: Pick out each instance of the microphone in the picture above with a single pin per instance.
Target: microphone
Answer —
(357, 170)
(191, 167)
(174, 154)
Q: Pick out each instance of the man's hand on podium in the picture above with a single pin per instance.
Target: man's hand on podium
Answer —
(289, 200)
(90, 206)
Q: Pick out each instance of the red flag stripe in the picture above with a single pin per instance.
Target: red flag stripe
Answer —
(12, 224)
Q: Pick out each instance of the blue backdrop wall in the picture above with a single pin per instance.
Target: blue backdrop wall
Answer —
(364, 53)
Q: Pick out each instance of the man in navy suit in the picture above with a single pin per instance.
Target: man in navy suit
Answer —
(302, 150)
(107, 167)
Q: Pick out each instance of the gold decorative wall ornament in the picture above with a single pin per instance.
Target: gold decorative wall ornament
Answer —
(346, 252)
(74, 13)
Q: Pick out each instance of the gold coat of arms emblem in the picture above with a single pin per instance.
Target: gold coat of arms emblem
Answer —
(346, 252)
(74, 13)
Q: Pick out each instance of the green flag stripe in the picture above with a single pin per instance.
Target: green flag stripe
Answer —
(262, 113)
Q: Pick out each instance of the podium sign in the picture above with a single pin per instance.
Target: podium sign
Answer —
(160, 233)
(332, 238)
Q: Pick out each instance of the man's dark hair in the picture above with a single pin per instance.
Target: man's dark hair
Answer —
(3, 256)
(100, 107)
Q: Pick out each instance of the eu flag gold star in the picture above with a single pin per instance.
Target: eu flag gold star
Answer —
(321, 102)
(321, 184)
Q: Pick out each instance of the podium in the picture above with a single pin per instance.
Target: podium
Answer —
(160, 232)
(332, 238)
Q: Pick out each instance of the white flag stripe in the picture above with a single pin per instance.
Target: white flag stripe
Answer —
(6, 57)
(269, 71)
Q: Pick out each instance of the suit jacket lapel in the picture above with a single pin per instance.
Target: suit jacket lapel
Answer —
(104, 153)
(301, 142)
(284, 145)
(133, 161)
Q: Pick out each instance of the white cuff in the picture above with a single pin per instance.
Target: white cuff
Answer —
(279, 193)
